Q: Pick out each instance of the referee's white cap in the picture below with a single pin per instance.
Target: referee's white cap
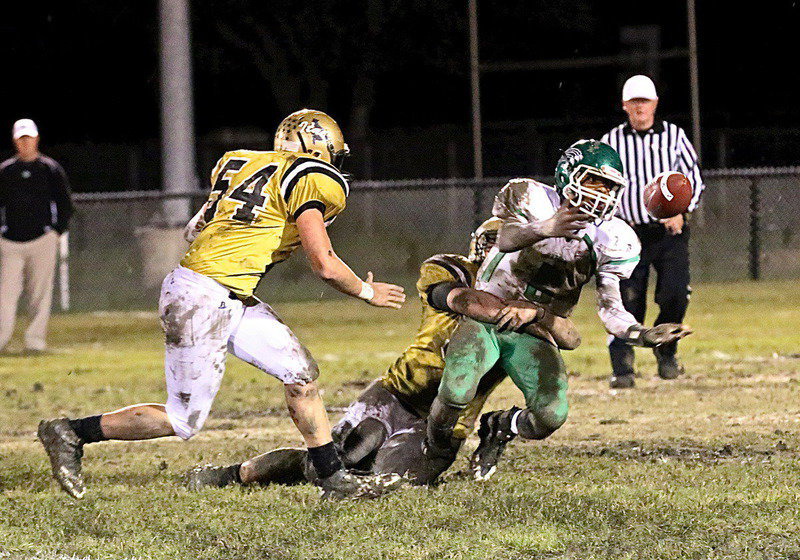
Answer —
(639, 87)
(24, 127)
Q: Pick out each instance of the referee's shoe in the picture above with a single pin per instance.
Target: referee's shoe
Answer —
(668, 365)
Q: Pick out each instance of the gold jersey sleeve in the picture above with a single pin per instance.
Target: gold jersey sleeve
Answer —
(251, 210)
(414, 377)
(319, 191)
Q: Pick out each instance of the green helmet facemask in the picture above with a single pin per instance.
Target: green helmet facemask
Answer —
(586, 160)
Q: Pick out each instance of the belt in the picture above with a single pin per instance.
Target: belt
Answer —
(248, 301)
(650, 226)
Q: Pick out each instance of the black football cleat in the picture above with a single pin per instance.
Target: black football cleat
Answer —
(343, 485)
(65, 450)
(622, 381)
(495, 433)
(668, 365)
(210, 476)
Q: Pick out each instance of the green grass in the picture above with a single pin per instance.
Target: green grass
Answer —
(702, 467)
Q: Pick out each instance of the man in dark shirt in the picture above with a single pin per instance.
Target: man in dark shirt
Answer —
(35, 208)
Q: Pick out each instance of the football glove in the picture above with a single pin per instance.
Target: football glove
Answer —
(664, 333)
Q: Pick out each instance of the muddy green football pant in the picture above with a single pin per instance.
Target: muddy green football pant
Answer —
(534, 365)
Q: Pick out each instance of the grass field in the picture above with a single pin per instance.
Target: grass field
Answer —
(707, 466)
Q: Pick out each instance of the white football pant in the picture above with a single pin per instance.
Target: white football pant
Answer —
(201, 321)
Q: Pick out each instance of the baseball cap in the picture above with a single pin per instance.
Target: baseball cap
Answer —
(639, 87)
(24, 127)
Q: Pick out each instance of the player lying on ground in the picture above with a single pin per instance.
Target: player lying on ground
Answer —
(262, 206)
(551, 242)
(383, 429)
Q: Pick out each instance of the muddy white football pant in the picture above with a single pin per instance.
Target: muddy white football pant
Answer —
(202, 321)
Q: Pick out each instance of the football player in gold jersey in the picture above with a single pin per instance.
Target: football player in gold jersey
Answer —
(383, 429)
(262, 206)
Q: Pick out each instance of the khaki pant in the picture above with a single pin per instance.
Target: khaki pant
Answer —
(32, 264)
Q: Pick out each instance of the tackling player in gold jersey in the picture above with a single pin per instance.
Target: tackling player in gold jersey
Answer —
(382, 430)
(251, 214)
(262, 206)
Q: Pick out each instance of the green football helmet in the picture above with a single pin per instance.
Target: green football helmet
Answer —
(590, 161)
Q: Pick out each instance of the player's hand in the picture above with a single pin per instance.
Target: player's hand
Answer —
(193, 228)
(386, 295)
(674, 224)
(664, 334)
(567, 222)
(516, 315)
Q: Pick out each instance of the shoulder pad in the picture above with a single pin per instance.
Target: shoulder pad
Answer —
(617, 241)
(302, 166)
(525, 198)
(250, 154)
(456, 265)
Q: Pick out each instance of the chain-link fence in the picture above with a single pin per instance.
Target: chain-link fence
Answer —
(750, 225)
(749, 228)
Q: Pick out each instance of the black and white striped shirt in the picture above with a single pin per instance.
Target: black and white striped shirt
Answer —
(664, 147)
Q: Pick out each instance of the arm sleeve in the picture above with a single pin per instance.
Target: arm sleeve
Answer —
(431, 274)
(315, 190)
(61, 194)
(614, 138)
(438, 293)
(618, 251)
(688, 165)
(615, 318)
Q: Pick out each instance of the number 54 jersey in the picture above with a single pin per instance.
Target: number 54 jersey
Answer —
(251, 211)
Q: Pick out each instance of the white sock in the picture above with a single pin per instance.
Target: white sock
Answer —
(514, 427)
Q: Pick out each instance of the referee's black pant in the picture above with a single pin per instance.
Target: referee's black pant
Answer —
(668, 255)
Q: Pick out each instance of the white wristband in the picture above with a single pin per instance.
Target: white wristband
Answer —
(367, 292)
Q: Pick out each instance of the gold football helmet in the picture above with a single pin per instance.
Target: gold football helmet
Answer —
(312, 132)
(483, 239)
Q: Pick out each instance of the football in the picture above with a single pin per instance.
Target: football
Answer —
(668, 195)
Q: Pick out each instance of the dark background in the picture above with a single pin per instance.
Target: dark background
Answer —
(395, 74)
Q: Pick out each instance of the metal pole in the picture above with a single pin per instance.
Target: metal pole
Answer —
(475, 83)
(177, 111)
(693, 76)
(477, 206)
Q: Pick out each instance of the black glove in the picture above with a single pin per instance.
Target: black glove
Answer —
(664, 333)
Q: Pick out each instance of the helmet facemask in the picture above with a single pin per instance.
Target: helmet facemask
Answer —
(338, 157)
(598, 201)
(483, 239)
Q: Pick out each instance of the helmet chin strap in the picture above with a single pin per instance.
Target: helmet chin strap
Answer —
(289, 146)
(302, 143)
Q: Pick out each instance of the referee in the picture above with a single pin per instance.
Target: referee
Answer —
(648, 147)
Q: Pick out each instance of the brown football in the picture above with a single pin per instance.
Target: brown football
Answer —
(668, 195)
